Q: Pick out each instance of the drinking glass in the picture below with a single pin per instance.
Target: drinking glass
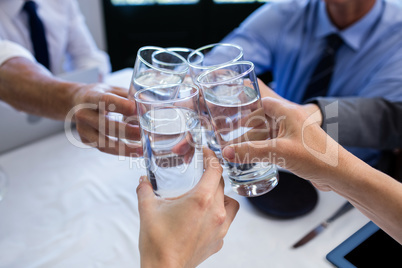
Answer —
(206, 58)
(212, 56)
(185, 53)
(157, 66)
(154, 66)
(233, 101)
(3, 184)
(171, 137)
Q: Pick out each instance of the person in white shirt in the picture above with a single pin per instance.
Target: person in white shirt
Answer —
(70, 47)
(70, 44)
(29, 87)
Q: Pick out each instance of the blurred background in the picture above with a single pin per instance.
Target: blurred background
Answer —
(121, 27)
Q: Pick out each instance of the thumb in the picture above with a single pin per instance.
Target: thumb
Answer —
(145, 193)
(251, 151)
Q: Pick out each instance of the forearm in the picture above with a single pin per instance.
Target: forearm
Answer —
(374, 193)
(30, 88)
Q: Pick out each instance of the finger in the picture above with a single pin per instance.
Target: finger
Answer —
(232, 207)
(87, 135)
(213, 172)
(254, 119)
(118, 104)
(122, 92)
(145, 195)
(85, 141)
(107, 126)
(257, 134)
(251, 151)
(189, 156)
(184, 145)
(111, 102)
(266, 91)
(203, 104)
(118, 147)
(220, 191)
(274, 108)
(122, 130)
(93, 138)
(186, 148)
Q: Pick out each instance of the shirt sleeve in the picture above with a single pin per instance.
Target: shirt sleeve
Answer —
(81, 47)
(257, 35)
(365, 122)
(10, 50)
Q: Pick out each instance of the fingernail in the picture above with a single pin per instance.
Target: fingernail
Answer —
(142, 178)
(229, 152)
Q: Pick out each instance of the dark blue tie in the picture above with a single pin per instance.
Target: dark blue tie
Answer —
(321, 78)
(38, 35)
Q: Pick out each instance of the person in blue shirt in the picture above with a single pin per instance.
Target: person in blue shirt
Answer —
(288, 39)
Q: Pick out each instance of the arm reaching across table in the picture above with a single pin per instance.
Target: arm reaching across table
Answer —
(305, 149)
(29, 87)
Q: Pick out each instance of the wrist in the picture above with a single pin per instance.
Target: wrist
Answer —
(156, 261)
(76, 95)
(154, 254)
(313, 110)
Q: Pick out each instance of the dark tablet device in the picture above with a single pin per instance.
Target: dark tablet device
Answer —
(368, 247)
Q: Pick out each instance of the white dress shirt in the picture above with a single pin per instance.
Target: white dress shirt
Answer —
(10, 50)
(71, 46)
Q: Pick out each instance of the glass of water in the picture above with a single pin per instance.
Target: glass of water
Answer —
(171, 137)
(154, 66)
(212, 56)
(185, 53)
(206, 58)
(157, 66)
(233, 101)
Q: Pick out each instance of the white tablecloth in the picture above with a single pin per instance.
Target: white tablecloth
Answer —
(74, 207)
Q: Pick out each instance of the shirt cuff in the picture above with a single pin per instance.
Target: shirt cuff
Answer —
(322, 103)
(10, 50)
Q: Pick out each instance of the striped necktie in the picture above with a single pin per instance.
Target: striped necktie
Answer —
(38, 35)
(321, 78)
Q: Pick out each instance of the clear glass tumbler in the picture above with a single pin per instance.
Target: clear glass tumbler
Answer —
(206, 58)
(157, 66)
(171, 137)
(233, 101)
(154, 66)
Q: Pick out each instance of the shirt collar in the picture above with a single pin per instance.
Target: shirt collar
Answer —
(14, 7)
(354, 35)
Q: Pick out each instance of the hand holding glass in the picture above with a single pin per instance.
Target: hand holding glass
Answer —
(233, 101)
(171, 134)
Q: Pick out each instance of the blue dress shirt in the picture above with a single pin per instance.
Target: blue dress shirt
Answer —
(288, 39)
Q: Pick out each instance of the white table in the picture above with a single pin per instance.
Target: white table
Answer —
(77, 207)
